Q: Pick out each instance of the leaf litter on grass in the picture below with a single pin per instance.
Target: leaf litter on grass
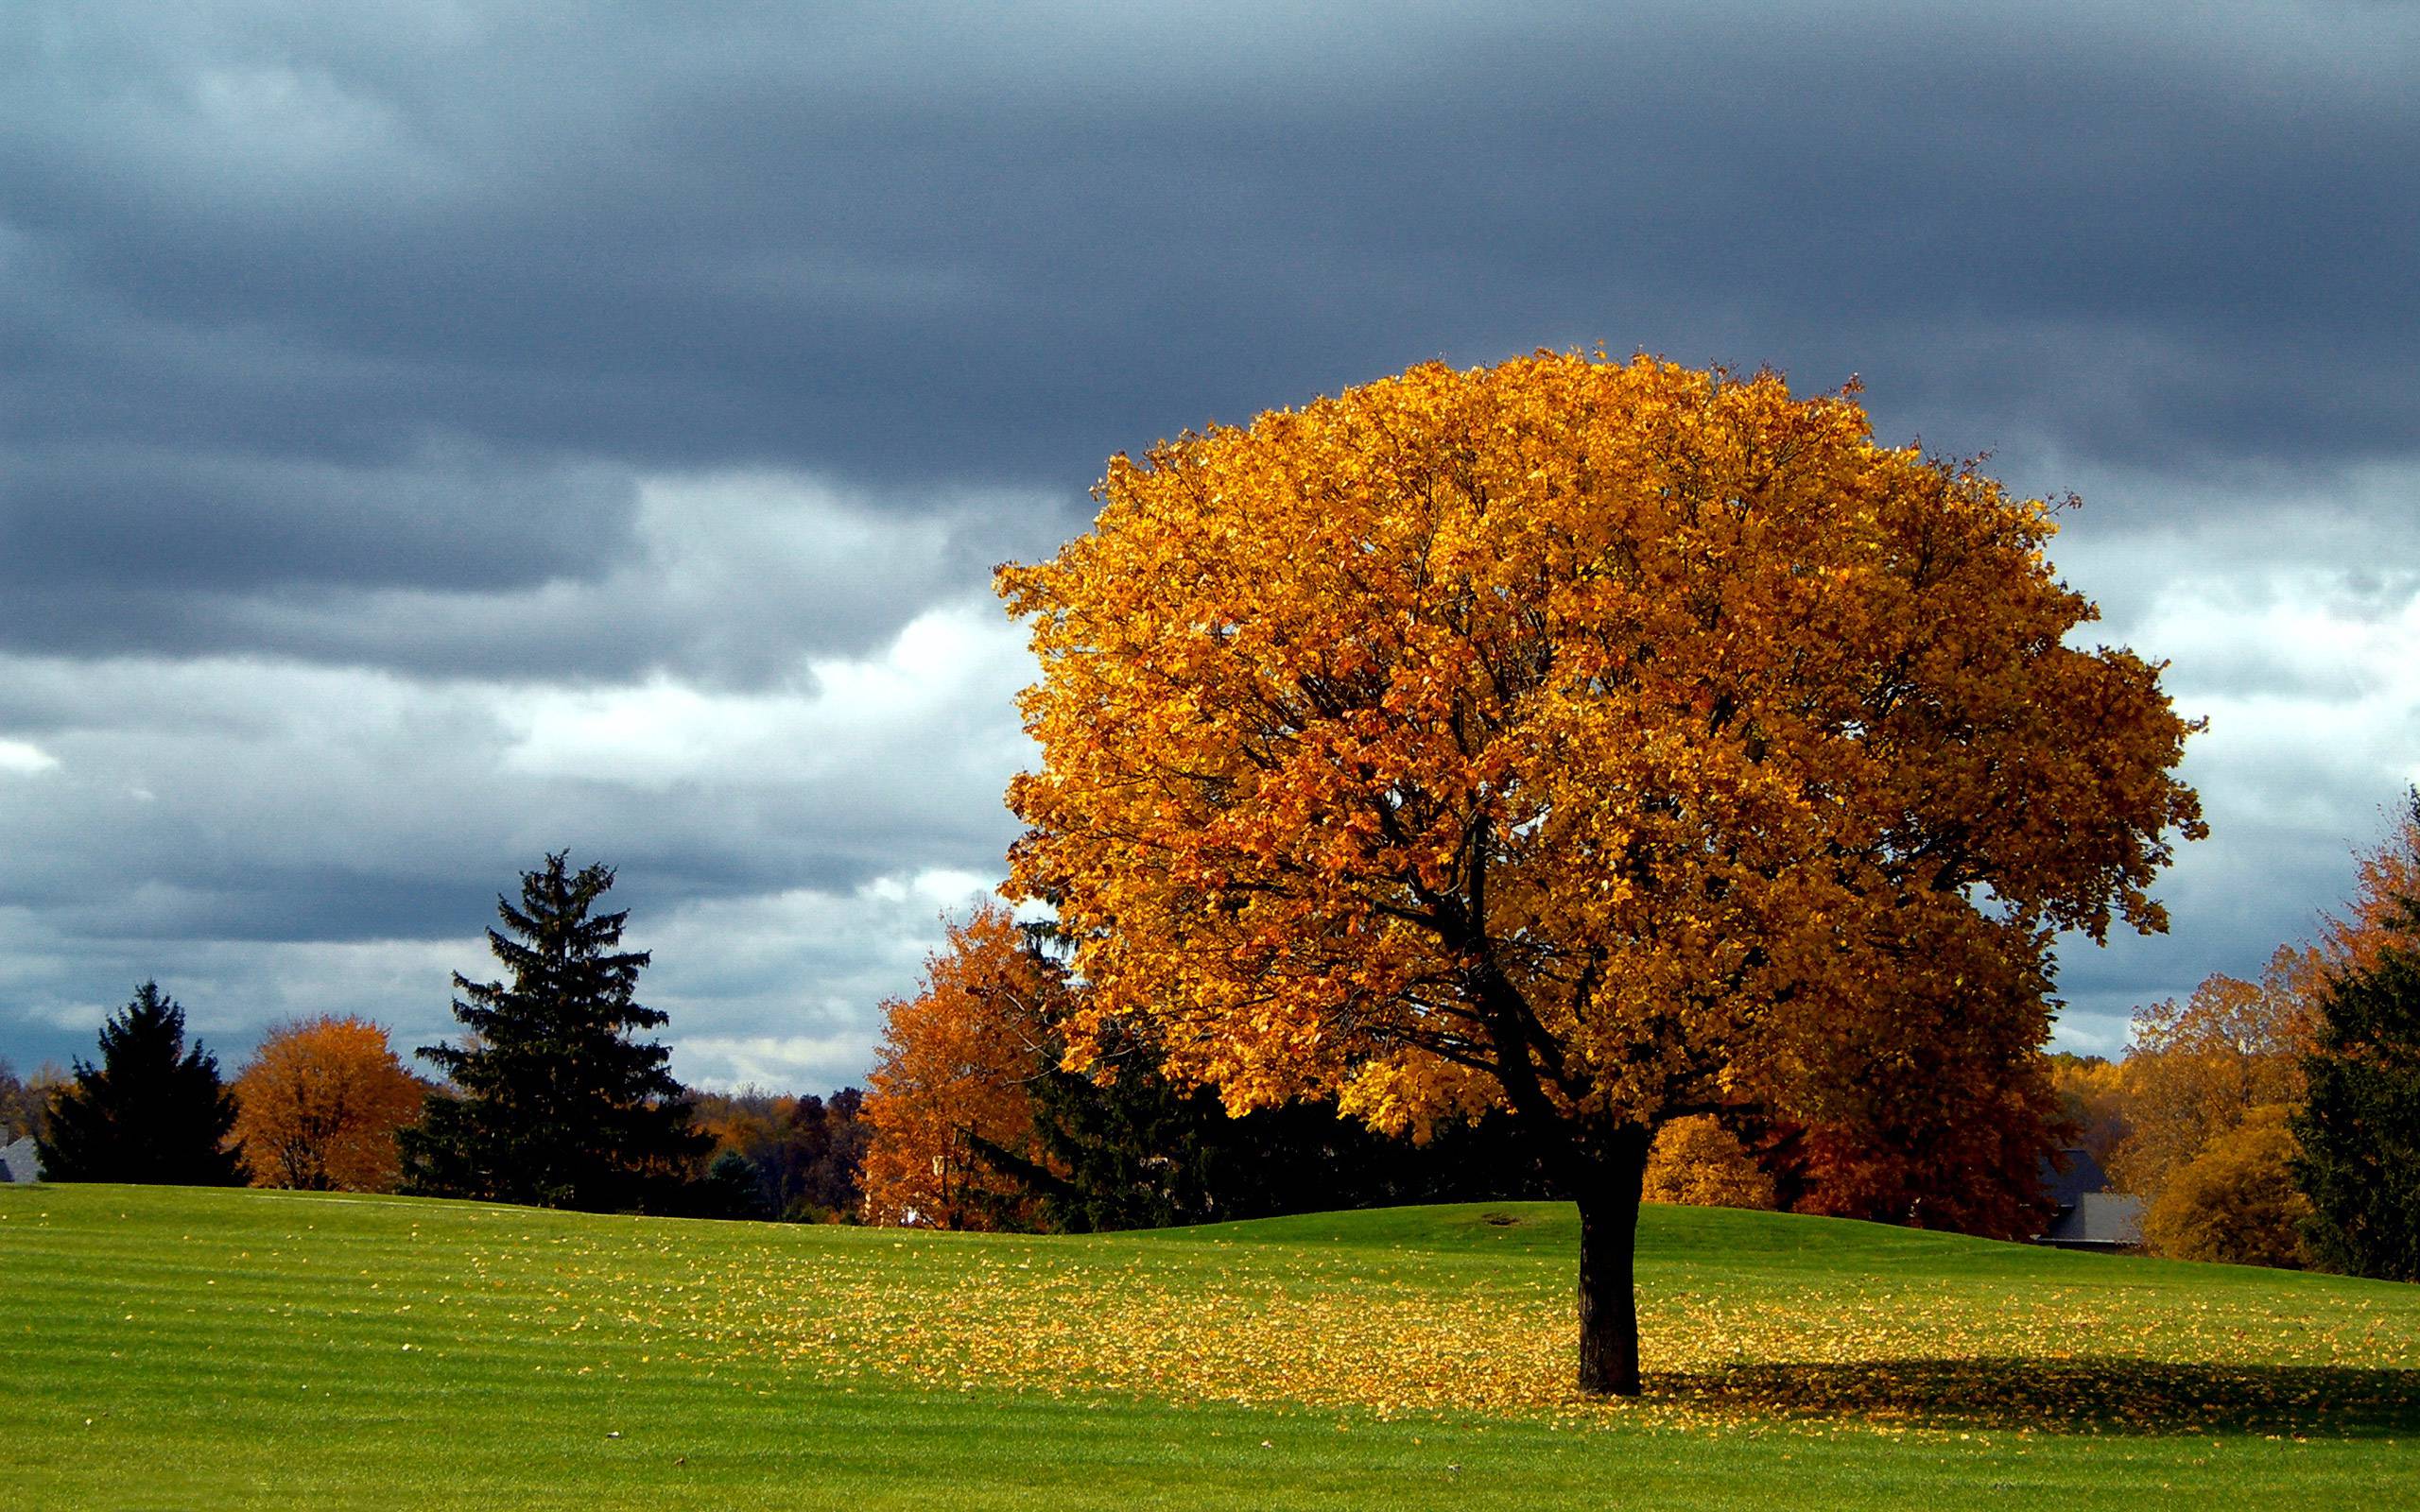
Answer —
(1282, 1327)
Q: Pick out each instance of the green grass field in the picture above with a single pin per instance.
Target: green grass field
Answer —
(164, 1348)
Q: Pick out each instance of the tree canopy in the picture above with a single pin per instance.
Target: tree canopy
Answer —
(24, 1103)
(151, 1110)
(2200, 1067)
(1610, 742)
(321, 1103)
(2235, 1202)
(551, 1100)
(948, 1081)
(806, 1153)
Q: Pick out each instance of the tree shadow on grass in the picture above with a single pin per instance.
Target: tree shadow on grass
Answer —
(2092, 1395)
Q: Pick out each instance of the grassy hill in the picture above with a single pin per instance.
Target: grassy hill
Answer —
(190, 1349)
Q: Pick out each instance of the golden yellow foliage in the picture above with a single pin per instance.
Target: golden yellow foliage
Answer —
(2199, 1067)
(1695, 1161)
(319, 1105)
(2234, 1201)
(1611, 741)
(2094, 1100)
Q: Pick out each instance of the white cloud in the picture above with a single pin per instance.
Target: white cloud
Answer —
(944, 664)
(785, 989)
(757, 580)
(25, 759)
(273, 839)
(776, 1062)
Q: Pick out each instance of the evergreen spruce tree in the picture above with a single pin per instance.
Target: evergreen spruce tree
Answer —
(552, 1103)
(151, 1110)
(2360, 1130)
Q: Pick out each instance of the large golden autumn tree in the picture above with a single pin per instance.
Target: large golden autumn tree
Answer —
(1611, 742)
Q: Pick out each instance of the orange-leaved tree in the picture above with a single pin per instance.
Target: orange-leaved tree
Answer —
(950, 1080)
(319, 1105)
(1938, 1113)
(2385, 876)
(2201, 1065)
(1609, 742)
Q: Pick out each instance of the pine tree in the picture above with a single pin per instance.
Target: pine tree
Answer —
(2360, 1130)
(552, 1102)
(152, 1110)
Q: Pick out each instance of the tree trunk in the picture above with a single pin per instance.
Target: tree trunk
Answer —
(1608, 1193)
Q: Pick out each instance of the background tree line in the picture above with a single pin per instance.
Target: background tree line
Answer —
(550, 1098)
(2273, 1122)
(2235, 1109)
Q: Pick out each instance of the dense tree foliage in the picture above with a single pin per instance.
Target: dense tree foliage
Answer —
(2200, 1067)
(949, 1081)
(2095, 1106)
(1610, 743)
(1943, 1131)
(321, 1103)
(804, 1154)
(1698, 1163)
(730, 1188)
(2360, 1128)
(2235, 1201)
(149, 1110)
(551, 1101)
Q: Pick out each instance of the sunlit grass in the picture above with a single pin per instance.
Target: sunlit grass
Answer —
(178, 1347)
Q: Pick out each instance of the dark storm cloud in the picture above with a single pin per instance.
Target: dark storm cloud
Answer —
(407, 300)
(999, 247)
(158, 519)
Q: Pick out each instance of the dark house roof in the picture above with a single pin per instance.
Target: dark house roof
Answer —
(2089, 1216)
(2069, 1175)
(2099, 1220)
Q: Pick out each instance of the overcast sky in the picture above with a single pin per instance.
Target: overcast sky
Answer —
(436, 433)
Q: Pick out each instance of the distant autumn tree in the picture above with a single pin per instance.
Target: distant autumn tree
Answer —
(2094, 1102)
(2201, 1065)
(1611, 742)
(321, 1103)
(552, 1101)
(1699, 1163)
(150, 1110)
(1941, 1117)
(2359, 1131)
(25, 1105)
(806, 1153)
(2234, 1201)
(2386, 877)
(950, 1077)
